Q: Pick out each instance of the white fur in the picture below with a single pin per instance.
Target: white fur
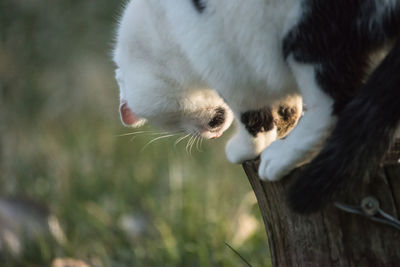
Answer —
(242, 146)
(236, 46)
(156, 79)
(168, 56)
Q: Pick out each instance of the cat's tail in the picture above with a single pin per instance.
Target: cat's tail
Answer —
(364, 132)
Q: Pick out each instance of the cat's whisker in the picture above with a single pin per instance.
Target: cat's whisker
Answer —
(159, 133)
(155, 139)
(191, 145)
(180, 139)
(188, 144)
(135, 133)
(198, 143)
(201, 142)
(197, 139)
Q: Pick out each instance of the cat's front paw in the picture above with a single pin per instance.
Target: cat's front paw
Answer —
(276, 161)
(243, 146)
(238, 151)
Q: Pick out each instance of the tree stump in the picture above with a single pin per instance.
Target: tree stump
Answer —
(332, 237)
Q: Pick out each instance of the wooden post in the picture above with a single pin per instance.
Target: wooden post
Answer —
(332, 237)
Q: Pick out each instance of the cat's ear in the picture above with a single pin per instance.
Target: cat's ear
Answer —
(128, 118)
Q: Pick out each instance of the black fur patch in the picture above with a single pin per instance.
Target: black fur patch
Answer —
(257, 121)
(338, 36)
(199, 5)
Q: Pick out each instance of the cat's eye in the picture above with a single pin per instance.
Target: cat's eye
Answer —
(200, 5)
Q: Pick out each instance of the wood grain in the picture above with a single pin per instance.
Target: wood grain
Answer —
(332, 237)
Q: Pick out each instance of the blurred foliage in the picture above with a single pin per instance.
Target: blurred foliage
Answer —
(59, 144)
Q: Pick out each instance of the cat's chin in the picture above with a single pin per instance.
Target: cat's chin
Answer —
(211, 135)
(215, 135)
(207, 133)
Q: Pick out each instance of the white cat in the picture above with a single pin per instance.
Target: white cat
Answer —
(159, 83)
(255, 53)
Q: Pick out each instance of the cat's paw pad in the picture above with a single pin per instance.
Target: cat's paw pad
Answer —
(238, 151)
(276, 162)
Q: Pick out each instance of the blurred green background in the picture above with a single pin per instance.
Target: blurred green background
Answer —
(60, 146)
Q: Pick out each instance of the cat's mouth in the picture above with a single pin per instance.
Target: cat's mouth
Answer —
(210, 134)
(205, 132)
(216, 136)
(216, 133)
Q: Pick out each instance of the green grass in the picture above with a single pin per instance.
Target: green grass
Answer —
(59, 145)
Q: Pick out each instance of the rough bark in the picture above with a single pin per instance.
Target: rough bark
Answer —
(332, 237)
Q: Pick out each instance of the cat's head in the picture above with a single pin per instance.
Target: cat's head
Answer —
(158, 84)
(200, 112)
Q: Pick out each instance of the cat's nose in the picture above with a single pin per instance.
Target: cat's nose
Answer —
(218, 119)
